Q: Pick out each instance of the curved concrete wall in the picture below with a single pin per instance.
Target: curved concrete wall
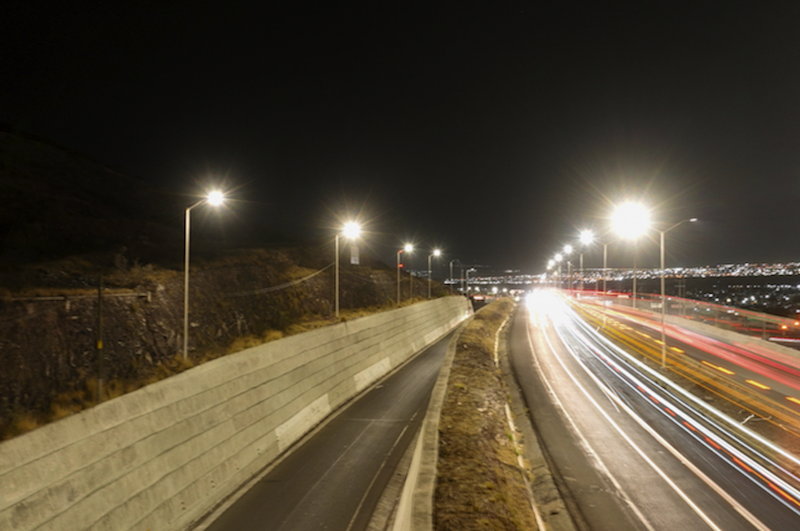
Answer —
(163, 456)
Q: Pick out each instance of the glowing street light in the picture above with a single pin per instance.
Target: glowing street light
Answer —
(630, 221)
(436, 253)
(214, 198)
(407, 248)
(567, 251)
(663, 298)
(351, 231)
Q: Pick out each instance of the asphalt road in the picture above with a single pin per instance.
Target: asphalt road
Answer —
(629, 454)
(334, 480)
(752, 368)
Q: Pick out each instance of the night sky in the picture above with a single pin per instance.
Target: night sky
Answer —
(495, 130)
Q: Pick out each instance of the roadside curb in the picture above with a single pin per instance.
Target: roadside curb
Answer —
(551, 505)
(415, 509)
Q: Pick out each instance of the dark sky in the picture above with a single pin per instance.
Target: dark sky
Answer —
(495, 130)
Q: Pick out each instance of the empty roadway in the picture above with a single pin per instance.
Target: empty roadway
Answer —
(334, 478)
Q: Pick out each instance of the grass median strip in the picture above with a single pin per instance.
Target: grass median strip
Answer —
(479, 484)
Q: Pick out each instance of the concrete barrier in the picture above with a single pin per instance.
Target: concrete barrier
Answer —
(415, 508)
(163, 456)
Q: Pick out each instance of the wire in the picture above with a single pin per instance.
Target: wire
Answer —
(279, 286)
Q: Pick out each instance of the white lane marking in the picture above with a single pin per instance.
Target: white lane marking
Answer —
(375, 477)
(534, 505)
(587, 448)
(702, 432)
(497, 340)
(700, 403)
(683, 459)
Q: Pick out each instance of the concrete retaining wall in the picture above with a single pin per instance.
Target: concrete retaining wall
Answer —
(161, 457)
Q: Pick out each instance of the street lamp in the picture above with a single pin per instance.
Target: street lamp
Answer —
(630, 221)
(558, 259)
(436, 252)
(451, 274)
(214, 198)
(351, 230)
(468, 271)
(567, 252)
(407, 248)
(586, 238)
(605, 265)
(663, 298)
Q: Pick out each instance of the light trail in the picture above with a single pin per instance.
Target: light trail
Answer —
(673, 403)
(775, 365)
(780, 411)
(630, 442)
(599, 465)
(777, 487)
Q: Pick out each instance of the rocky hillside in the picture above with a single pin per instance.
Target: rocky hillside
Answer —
(67, 222)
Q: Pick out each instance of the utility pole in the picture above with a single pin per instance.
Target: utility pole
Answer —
(99, 397)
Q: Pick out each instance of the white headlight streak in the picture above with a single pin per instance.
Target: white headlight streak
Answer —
(724, 438)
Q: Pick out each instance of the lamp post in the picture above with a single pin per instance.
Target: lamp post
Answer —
(351, 230)
(605, 266)
(567, 252)
(407, 248)
(451, 274)
(468, 271)
(436, 253)
(605, 278)
(663, 298)
(558, 259)
(630, 221)
(586, 238)
(214, 199)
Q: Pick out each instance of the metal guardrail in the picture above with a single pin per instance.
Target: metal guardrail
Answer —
(68, 298)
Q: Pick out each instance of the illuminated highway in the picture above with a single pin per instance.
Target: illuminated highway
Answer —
(632, 448)
(763, 380)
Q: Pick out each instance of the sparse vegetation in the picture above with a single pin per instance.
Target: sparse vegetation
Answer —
(98, 222)
(52, 375)
(479, 484)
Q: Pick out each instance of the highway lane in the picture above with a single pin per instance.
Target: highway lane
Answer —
(632, 452)
(765, 382)
(335, 478)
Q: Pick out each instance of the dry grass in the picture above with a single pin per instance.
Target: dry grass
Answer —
(67, 404)
(313, 322)
(480, 485)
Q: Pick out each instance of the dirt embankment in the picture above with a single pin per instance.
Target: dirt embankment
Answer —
(479, 484)
(48, 349)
